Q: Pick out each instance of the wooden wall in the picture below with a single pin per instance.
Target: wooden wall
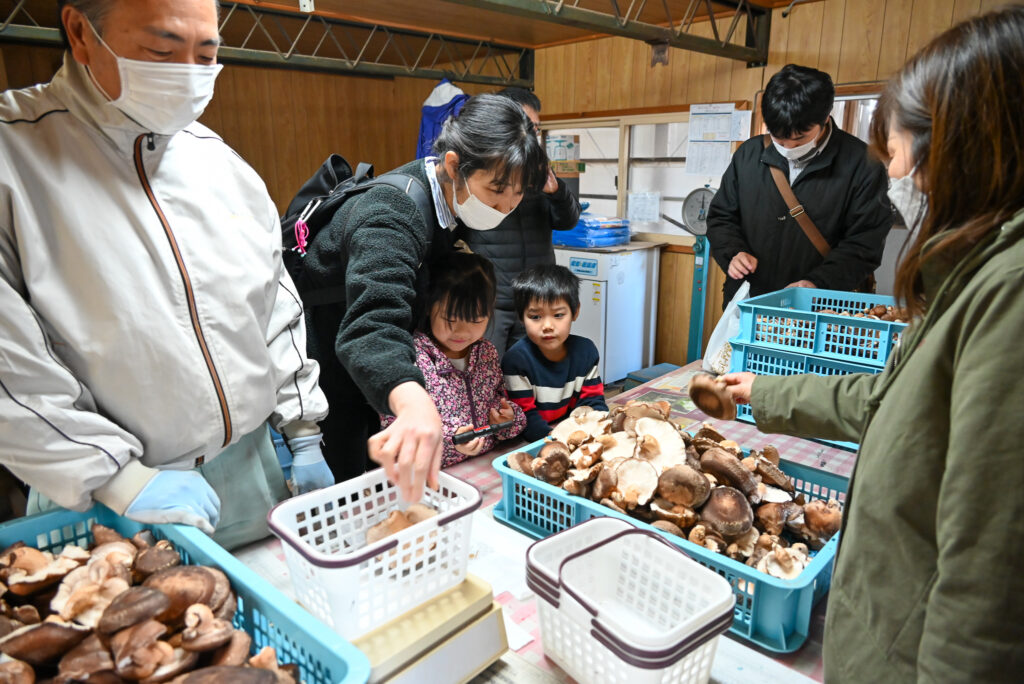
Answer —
(856, 41)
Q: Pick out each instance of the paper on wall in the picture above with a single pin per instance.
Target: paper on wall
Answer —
(741, 124)
(708, 158)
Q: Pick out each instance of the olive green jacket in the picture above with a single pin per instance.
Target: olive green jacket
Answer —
(929, 577)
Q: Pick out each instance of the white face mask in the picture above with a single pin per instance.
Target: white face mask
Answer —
(808, 150)
(909, 201)
(475, 213)
(162, 97)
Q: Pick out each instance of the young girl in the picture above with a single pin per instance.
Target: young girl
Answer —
(461, 369)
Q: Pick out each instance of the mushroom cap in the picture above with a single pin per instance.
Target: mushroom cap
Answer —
(101, 534)
(203, 632)
(683, 516)
(521, 462)
(771, 453)
(179, 661)
(823, 519)
(552, 463)
(221, 587)
(728, 512)
(89, 657)
(160, 556)
(708, 431)
(418, 512)
(235, 651)
(622, 446)
(395, 522)
(782, 563)
(773, 517)
(132, 607)
(728, 469)
(183, 585)
(660, 443)
(683, 485)
(606, 481)
(612, 505)
(227, 674)
(43, 642)
(771, 474)
(671, 528)
(711, 396)
(637, 480)
(17, 672)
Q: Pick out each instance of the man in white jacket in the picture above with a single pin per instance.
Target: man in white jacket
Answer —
(149, 328)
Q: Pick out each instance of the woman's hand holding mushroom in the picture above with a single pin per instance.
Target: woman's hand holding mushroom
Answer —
(409, 449)
(739, 386)
(472, 447)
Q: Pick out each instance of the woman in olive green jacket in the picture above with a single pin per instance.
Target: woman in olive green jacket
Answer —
(929, 578)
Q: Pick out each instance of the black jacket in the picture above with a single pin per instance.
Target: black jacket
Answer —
(375, 246)
(843, 191)
(523, 239)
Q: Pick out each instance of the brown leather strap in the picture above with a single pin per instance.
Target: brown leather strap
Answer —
(796, 210)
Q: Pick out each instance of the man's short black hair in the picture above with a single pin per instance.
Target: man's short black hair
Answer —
(796, 99)
(546, 283)
(522, 97)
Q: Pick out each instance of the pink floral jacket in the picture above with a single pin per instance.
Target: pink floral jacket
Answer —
(463, 397)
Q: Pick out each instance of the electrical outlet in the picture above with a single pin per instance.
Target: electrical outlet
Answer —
(306, 5)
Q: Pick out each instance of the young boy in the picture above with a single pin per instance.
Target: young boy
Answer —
(550, 372)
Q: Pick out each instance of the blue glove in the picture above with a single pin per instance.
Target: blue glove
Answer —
(309, 469)
(177, 496)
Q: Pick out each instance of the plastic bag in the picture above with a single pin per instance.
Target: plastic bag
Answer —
(718, 355)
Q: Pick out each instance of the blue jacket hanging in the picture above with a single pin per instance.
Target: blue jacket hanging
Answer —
(445, 100)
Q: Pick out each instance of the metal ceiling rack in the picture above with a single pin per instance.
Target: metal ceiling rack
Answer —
(296, 40)
(724, 16)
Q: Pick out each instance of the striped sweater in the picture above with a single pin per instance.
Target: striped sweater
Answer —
(548, 390)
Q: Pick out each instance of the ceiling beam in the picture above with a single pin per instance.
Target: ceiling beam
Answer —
(754, 50)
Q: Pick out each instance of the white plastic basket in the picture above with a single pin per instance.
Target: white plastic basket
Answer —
(621, 604)
(355, 588)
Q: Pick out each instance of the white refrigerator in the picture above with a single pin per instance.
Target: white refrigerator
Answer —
(618, 303)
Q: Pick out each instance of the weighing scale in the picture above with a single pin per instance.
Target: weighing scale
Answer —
(695, 222)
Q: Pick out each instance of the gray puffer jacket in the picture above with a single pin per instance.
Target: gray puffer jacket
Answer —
(523, 239)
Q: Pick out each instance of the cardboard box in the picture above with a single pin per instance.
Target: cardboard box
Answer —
(395, 644)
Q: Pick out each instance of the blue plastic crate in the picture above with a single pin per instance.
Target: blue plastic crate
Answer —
(765, 361)
(772, 613)
(270, 617)
(791, 320)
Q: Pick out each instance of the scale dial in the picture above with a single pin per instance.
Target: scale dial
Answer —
(695, 210)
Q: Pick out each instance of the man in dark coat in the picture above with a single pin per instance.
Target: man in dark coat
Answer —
(752, 234)
(524, 238)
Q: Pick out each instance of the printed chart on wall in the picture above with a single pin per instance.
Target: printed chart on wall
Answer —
(713, 128)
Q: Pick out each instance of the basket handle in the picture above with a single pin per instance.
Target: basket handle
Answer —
(572, 556)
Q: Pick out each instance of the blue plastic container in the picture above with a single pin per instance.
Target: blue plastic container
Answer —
(791, 320)
(270, 617)
(772, 613)
(767, 361)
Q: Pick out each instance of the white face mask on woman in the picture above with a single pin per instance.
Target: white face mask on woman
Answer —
(909, 201)
(161, 97)
(475, 213)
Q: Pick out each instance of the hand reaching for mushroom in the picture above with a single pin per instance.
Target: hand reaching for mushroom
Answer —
(472, 447)
(409, 449)
(502, 414)
(739, 386)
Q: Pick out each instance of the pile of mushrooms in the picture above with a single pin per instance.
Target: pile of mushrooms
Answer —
(879, 312)
(635, 460)
(124, 611)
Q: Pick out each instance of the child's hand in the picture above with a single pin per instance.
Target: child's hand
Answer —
(502, 415)
(472, 447)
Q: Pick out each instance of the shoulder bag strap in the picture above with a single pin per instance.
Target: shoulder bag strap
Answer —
(796, 210)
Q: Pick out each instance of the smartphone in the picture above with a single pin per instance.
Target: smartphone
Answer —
(469, 436)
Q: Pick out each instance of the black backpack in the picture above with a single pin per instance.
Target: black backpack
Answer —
(319, 199)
